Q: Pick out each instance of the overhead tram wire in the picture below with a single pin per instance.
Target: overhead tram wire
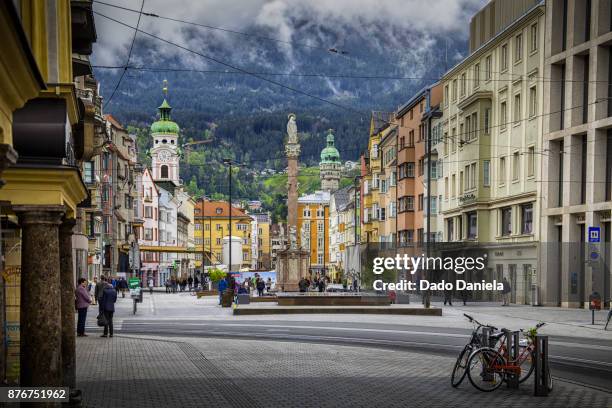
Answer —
(128, 58)
(137, 29)
(218, 61)
(316, 75)
(259, 76)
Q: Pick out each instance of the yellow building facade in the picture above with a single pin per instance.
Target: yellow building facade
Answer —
(46, 132)
(313, 229)
(262, 257)
(371, 180)
(212, 224)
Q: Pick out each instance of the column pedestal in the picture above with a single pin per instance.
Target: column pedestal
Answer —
(41, 337)
(292, 265)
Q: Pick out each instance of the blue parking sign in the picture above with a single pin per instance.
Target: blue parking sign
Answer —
(594, 234)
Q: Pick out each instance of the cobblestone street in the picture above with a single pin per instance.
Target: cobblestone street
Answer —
(134, 371)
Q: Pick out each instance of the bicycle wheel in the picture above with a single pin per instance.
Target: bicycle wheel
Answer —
(460, 369)
(527, 364)
(484, 369)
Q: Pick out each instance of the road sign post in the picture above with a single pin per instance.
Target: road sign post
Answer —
(594, 234)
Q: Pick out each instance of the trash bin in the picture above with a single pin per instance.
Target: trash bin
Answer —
(535, 298)
(227, 298)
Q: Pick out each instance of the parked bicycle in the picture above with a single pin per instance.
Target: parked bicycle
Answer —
(489, 367)
(460, 369)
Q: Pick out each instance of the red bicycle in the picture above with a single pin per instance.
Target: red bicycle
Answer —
(488, 367)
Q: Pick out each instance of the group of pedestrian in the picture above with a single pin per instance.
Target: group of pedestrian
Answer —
(247, 286)
(448, 296)
(174, 285)
(255, 283)
(464, 294)
(317, 283)
(104, 295)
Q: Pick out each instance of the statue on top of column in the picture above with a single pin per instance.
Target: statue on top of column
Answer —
(292, 129)
(293, 237)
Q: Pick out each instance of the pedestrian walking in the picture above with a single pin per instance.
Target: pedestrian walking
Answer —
(83, 300)
(196, 283)
(98, 292)
(122, 285)
(303, 285)
(448, 297)
(150, 284)
(92, 290)
(506, 292)
(321, 284)
(268, 285)
(242, 290)
(222, 288)
(261, 285)
(464, 296)
(109, 297)
(190, 283)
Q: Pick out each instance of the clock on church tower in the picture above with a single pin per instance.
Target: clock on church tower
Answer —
(165, 153)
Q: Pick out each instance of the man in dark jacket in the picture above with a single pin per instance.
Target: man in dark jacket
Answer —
(261, 285)
(98, 292)
(222, 288)
(303, 285)
(109, 297)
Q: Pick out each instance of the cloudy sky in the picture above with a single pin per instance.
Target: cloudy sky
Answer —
(401, 26)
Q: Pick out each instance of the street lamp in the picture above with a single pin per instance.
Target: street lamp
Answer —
(228, 162)
(357, 185)
(430, 114)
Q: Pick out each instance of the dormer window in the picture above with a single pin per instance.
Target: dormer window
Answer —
(219, 210)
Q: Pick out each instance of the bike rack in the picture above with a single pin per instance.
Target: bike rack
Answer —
(541, 367)
(484, 337)
(512, 346)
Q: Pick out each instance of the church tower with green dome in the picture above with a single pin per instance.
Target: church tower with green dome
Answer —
(165, 150)
(330, 165)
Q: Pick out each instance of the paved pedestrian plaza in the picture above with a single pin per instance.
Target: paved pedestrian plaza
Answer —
(145, 371)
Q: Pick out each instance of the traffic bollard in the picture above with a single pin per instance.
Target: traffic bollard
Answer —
(512, 344)
(542, 370)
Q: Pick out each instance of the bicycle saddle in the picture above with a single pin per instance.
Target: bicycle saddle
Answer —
(496, 336)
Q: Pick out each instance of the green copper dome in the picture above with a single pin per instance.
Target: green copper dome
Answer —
(330, 154)
(164, 124)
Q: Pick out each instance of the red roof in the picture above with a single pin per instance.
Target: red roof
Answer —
(217, 209)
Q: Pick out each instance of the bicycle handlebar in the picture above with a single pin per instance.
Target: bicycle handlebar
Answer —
(471, 319)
